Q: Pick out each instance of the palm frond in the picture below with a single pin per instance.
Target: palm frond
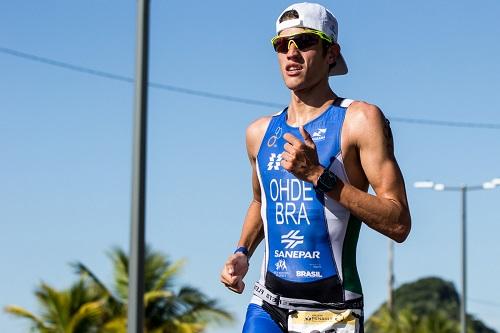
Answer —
(155, 265)
(84, 272)
(164, 280)
(178, 326)
(90, 313)
(23, 313)
(206, 313)
(55, 303)
(120, 271)
(198, 307)
(116, 325)
(153, 296)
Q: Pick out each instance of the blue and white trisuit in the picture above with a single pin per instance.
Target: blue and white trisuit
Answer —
(310, 239)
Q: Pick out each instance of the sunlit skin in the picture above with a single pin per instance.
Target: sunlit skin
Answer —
(310, 92)
(367, 151)
(314, 66)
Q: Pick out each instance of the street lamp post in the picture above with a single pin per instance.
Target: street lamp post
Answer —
(463, 189)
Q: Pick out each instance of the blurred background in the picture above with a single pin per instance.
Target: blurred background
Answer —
(66, 104)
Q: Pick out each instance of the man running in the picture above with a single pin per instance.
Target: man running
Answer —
(312, 165)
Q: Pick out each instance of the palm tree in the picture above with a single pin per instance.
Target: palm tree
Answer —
(186, 310)
(77, 309)
(89, 306)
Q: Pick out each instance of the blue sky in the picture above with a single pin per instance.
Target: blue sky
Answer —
(65, 136)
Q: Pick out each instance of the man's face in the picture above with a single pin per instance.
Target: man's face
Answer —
(304, 69)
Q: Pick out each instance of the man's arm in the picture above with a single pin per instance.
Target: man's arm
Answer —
(252, 232)
(387, 211)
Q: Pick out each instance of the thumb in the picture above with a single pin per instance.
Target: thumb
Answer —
(306, 135)
(241, 286)
(230, 268)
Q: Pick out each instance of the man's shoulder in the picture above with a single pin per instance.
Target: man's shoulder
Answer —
(255, 133)
(364, 110)
(362, 121)
(258, 127)
(363, 116)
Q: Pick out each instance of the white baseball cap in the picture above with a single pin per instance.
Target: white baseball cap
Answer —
(316, 17)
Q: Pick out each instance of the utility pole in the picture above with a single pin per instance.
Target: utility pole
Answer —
(463, 303)
(390, 300)
(135, 323)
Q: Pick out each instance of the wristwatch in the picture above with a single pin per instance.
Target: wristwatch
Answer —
(326, 182)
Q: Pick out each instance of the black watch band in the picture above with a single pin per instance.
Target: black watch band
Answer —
(326, 182)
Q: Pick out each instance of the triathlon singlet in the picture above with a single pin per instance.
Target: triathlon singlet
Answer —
(310, 239)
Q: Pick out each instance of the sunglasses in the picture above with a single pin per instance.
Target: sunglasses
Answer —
(302, 40)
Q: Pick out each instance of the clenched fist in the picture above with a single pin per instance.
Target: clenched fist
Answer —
(301, 158)
(235, 269)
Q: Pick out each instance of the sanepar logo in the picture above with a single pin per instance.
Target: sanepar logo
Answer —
(292, 239)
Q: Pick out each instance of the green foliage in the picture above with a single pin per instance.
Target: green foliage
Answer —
(429, 305)
(428, 295)
(407, 321)
(403, 321)
(90, 306)
(77, 309)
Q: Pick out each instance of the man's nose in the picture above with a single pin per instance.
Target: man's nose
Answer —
(292, 47)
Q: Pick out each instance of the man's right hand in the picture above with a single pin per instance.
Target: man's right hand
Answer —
(235, 269)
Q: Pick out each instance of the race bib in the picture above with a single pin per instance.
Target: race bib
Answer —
(325, 321)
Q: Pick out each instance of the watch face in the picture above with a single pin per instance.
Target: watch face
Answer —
(330, 179)
(327, 181)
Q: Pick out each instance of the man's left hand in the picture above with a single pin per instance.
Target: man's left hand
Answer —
(301, 158)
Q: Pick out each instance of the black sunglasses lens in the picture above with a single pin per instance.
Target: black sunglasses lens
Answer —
(305, 41)
(281, 44)
(302, 41)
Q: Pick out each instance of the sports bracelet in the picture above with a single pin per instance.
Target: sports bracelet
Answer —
(242, 249)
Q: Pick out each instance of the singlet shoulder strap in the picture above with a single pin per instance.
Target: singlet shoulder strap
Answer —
(342, 102)
(280, 112)
(346, 102)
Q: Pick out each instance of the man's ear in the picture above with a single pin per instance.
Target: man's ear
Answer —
(333, 53)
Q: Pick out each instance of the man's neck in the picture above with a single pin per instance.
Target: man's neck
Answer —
(308, 105)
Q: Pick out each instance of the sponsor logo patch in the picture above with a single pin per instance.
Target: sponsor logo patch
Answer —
(309, 274)
(281, 265)
(297, 254)
(319, 135)
(274, 162)
(292, 239)
(272, 139)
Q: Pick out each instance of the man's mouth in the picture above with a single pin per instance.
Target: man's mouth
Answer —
(293, 69)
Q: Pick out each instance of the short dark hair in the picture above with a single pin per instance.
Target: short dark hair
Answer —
(289, 15)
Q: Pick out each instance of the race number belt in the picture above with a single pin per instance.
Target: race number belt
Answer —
(301, 304)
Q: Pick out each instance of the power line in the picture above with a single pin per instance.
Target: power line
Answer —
(445, 123)
(223, 97)
(122, 78)
(484, 302)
